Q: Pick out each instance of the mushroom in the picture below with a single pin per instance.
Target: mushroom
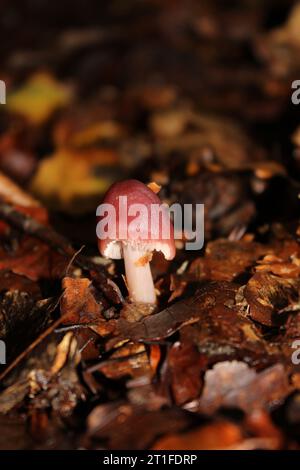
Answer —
(138, 223)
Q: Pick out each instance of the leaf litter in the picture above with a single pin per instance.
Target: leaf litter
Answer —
(211, 367)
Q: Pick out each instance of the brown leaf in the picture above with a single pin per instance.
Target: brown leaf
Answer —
(13, 433)
(34, 260)
(273, 264)
(185, 365)
(121, 426)
(234, 384)
(131, 360)
(210, 319)
(225, 260)
(78, 304)
(10, 281)
(226, 199)
(216, 436)
(268, 295)
(22, 319)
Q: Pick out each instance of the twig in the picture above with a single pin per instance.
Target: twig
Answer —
(99, 365)
(31, 347)
(73, 259)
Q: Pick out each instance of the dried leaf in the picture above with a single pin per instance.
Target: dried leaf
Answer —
(78, 303)
(268, 296)
(185, 367)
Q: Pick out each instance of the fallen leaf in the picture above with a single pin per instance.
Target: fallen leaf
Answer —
(135, 427)
(78, 304)
(38, 98)
(129, 361)
(217, 436)
(225, 260)
(75, 180)
(185, 366)
(34, 260)
(235, 385)
(268, 296)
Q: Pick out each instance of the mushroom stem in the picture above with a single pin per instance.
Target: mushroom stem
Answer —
(138, 274)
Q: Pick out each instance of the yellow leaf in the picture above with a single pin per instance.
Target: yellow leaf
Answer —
(38, 98)
(76, 180)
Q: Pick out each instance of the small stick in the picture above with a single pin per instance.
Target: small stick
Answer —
(99, 365)
(30, 348)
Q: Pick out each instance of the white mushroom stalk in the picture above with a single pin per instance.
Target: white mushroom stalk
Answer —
(138, 273)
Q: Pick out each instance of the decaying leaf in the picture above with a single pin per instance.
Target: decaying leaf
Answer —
(196, 97)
